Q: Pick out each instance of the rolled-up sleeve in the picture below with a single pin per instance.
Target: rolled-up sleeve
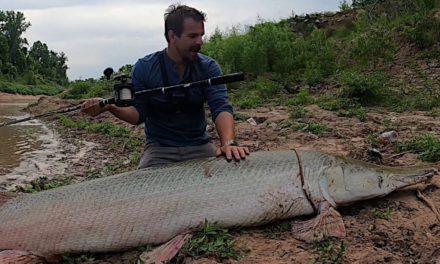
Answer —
(217, 95)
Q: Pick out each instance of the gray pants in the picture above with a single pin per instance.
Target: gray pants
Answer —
(156, 154)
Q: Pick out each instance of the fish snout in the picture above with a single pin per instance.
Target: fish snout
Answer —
(422, 175)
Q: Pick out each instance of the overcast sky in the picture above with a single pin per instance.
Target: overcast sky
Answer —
(95, 34)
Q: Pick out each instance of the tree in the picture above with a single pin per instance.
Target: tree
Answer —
(12, 26)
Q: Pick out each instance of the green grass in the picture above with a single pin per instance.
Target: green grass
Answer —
(38, 89)
(426, 146)
(359, 112)
(331, 250)
(312, 127)
(383, 213)
(43, 183)
(103, 128)
(212, 241)
(298, 112)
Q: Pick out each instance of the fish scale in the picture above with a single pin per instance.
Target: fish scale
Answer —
(153, 205)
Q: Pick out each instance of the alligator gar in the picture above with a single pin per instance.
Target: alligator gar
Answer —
(153, 205)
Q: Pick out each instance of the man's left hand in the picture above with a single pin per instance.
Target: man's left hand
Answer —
(232, 152)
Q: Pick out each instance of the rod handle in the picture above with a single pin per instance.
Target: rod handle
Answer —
(228, 78)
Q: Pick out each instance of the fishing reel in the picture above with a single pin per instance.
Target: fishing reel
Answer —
(123, 89)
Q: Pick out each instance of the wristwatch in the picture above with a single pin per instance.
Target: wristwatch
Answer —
(231, 142)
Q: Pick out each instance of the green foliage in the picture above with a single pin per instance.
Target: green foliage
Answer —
(240, 117)
(359, 112)
(103, 128)
(383, 213)
(302, 98)
(427, 146)
(267, 88)
(372, 44)
(272, 47)
(37, 65)
(373, 140)
(314, 57)
(344, 6)
(78, 90)
(40, 89)
(425, 32)
(298, 112)
(332, 250)
(312, 127)
(43, 183)
(331, 103)
(212, 241)
(364, 88)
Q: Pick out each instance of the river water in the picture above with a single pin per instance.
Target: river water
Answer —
(28, 150)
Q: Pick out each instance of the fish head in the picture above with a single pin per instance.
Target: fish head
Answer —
(349, 180)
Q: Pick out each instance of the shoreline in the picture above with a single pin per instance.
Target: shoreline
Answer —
(18, 98)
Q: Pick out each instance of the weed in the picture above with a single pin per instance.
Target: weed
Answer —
(359, 112)
(312, 127)
(240, 117)
(333, 104)
(344, 6)
(298, 112)
(364, 88)
(302, 98)
(286, 124)
(267, 88)
(75, 259)
(103, 128)
(246, 100)
(383, 214)
(43, 183)
(427, 146)
(332, 251)
(211, 241)
(373, 140)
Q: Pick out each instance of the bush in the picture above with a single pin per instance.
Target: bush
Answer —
(267, 88)
(364, 88)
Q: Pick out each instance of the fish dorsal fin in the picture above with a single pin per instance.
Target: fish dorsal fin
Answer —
(6, 196)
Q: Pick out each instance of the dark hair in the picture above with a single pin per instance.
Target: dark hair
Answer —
(176, 14)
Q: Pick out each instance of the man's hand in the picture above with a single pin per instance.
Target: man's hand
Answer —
(92, 107)
(236, 152)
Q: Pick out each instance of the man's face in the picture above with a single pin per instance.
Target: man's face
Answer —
(190, 41)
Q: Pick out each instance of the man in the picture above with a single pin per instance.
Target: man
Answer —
(175, 123)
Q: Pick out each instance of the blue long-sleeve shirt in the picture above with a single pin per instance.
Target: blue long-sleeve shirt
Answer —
(177, 121)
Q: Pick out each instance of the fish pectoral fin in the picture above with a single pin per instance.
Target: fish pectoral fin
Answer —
(19, 256)
(165, 252)
(328, 223)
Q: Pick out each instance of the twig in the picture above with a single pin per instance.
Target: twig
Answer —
(429, 203)
(399, 154)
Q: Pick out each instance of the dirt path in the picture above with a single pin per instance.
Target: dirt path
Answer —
(399, 228)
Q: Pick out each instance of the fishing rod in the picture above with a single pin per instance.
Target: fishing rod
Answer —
(124, 93)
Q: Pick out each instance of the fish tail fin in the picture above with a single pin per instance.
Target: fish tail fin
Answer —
(167, 251)
(328, 223)
(6, 196)
(19, 257)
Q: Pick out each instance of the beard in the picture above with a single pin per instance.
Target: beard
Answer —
(189, 55)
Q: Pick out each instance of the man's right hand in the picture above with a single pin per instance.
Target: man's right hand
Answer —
(92, 107)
